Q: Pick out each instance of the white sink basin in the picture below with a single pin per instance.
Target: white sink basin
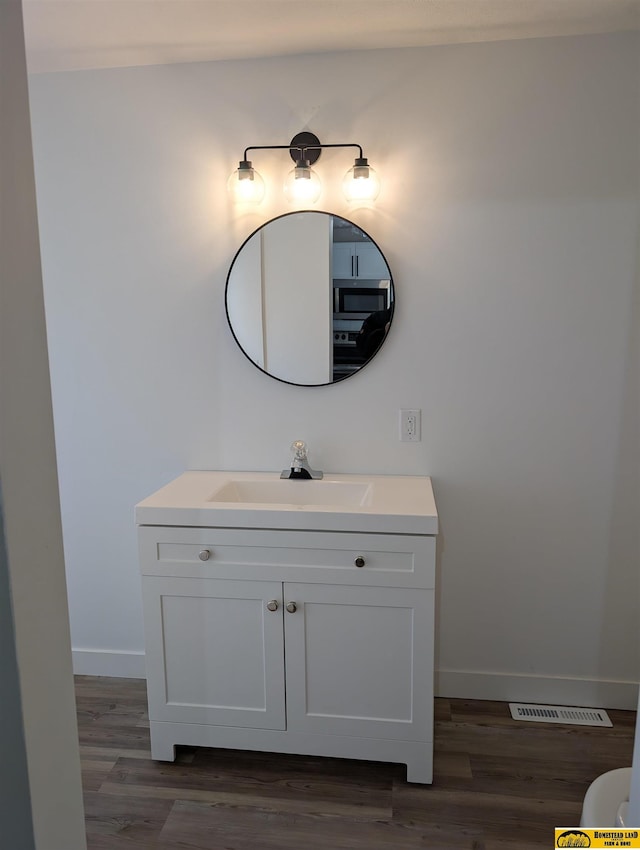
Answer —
(392, 504)
(286, 492)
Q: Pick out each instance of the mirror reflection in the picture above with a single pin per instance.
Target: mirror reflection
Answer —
(309, 298)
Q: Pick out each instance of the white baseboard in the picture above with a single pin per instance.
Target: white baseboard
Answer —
(103, 662)
(462, 684)
(556, 690)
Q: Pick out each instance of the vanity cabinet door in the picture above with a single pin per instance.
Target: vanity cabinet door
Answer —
(214, 651)
(359, 661)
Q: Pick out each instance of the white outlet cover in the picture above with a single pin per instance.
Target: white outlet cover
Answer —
(410, 425)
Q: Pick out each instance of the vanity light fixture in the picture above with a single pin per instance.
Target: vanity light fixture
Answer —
(302, 183)
(245, 185)
(360, 183)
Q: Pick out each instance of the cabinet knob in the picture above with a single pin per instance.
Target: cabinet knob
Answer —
(292, 607)
(272, 605)
(359, 561)
(205, 554)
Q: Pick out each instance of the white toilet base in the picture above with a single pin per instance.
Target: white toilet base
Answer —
(604, 797)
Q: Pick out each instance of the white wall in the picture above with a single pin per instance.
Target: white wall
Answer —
(513, 255)
(36, 676)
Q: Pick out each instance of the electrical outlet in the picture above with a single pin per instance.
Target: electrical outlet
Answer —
(410, 426)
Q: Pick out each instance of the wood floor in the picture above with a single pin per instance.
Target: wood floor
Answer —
(499, 784)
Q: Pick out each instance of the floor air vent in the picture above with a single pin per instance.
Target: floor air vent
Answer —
(559, 714)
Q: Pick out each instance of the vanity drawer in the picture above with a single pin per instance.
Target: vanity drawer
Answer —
(336, 557)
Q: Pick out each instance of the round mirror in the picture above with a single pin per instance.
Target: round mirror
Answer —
(309, 298)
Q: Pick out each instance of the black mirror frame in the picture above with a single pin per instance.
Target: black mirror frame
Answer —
(226, 303)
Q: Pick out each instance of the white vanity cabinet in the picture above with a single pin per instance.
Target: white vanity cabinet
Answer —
(290, 640)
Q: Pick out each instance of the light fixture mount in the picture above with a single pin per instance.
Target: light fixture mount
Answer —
(305, 145)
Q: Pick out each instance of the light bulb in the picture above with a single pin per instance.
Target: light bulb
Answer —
(302, 184)
(361, 182)
(245, 185)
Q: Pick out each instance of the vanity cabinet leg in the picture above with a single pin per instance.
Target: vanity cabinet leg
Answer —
(162, 747)
(420, 769)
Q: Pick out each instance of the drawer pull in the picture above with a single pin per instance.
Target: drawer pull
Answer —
(292, 607)
(204, 555)
(272, 605)
(359, 561)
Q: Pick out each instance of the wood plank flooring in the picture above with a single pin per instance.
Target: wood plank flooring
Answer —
(500, 784)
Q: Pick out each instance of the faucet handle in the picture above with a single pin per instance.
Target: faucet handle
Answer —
(299, 468)
(299, 449)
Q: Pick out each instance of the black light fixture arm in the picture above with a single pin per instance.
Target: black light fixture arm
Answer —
(300, 147)
(303, 146)
(267, 148)
(344, 145)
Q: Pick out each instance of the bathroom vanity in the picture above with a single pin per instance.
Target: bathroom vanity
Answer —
(291, 616)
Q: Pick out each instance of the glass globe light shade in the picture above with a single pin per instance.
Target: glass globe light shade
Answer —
(245, 185)
(361, 182)
(302, 184)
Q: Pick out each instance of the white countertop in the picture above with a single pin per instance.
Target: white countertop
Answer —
(392, 504)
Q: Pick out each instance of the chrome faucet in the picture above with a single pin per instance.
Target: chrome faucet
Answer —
(300, 468)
